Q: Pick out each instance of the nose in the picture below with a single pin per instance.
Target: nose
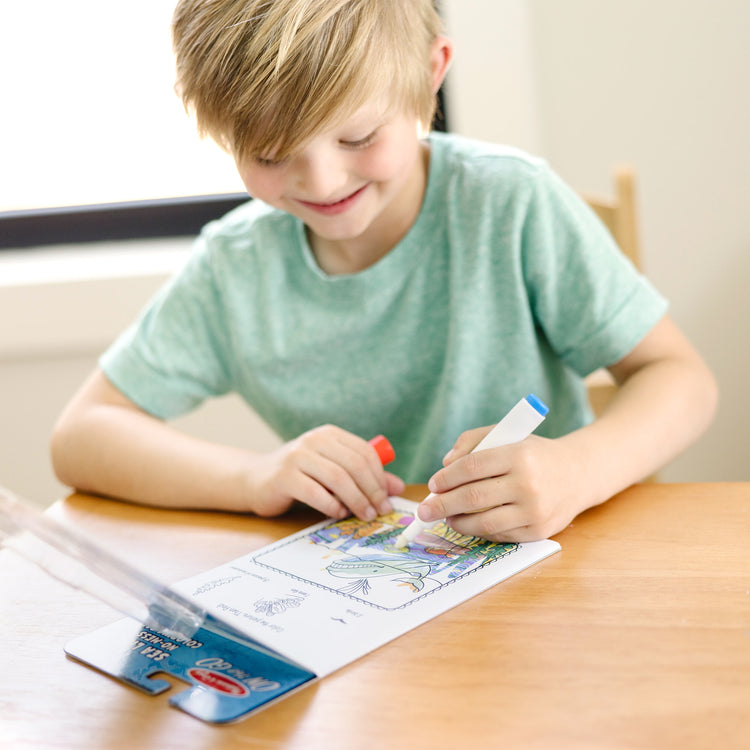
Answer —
(320, 175)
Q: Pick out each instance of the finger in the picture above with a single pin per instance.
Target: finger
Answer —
(470, 468)
(307, 490)
(503, 523)
(336, 481)
(467, 499)
(474, 467)
(465, 444)
(361, 463)
(359, 481)
(338, 444)
(394, 486)
(344, 476)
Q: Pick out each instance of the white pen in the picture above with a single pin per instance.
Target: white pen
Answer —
(515, 426)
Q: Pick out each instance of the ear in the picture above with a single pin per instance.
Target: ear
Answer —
(441, 56)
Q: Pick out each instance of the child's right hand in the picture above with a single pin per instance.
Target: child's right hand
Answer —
(329, 469)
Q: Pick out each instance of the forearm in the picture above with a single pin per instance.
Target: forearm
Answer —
(105, 443)
(659, 410)
(127, 454)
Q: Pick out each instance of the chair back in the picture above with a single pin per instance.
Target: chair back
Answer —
(618, 213)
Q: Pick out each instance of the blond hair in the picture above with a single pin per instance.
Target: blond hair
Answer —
(265, 76)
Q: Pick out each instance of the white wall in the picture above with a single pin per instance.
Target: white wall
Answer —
(59, 308)
(491, 86)
(583, 82)
(662, 85)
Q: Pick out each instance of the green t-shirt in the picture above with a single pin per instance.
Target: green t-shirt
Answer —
(505, 285)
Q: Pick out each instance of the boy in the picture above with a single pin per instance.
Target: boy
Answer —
(380, 281)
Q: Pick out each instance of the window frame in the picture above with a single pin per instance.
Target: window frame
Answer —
(127, 220)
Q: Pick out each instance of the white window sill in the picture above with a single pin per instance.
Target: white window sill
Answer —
(57, 300)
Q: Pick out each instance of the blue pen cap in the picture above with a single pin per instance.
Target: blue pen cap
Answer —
(537, 403)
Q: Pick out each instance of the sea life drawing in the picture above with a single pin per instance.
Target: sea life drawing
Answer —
(214, 584)
(358, 559)
(361, 569)
(277, 605)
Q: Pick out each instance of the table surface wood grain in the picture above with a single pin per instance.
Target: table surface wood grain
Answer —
(635, 635)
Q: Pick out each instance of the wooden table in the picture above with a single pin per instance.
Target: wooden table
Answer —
(636, 635)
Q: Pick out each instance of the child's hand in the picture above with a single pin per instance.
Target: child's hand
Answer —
(327, 468)
(515, 493)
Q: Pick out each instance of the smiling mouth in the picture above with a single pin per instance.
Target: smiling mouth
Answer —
(337, 206)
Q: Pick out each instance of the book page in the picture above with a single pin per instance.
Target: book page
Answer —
(336, 590)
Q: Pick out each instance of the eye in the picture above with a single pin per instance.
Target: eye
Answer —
(361, 142)
(264, 162)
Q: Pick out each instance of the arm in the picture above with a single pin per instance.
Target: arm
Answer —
(531, 490)
(104, 443)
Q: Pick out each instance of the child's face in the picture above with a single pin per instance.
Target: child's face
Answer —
(359, 184)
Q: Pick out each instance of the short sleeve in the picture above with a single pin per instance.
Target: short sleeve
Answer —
(174, 356)
(588, 298)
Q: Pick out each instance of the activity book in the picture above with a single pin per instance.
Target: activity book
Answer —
(305, 606)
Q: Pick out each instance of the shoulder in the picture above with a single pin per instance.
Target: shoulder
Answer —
(232, 252)
(246, 222)
(478, 180)
(466, 158)
(243, 235)
(479, 176)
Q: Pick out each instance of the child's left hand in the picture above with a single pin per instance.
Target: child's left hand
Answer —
(515, 493)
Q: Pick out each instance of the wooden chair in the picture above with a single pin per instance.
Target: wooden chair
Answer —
(618, 213)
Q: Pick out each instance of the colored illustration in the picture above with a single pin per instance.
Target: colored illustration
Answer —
(358, 559)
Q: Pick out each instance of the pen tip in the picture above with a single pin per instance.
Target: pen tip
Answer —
(401, 541)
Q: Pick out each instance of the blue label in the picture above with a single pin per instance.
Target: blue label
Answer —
(228, 679)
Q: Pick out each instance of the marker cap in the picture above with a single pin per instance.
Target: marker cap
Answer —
(383, 448)
(537, 404)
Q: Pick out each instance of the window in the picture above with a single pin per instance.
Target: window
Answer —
(91, 117)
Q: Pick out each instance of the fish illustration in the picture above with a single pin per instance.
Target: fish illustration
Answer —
(413, 572)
